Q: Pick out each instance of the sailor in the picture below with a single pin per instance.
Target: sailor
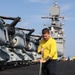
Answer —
(48, 50)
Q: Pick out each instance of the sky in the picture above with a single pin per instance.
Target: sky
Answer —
(31, 12)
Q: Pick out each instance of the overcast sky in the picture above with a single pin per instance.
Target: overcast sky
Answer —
(31, 12)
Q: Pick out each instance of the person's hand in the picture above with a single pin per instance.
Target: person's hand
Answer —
(42, 49)
(42, 61)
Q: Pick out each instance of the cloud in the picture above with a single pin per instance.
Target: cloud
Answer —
(37, 19)
(70, 18)
(38, 0)
(66, 7)
(25, 24)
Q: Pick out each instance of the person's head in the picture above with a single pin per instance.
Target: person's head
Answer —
(45, 34)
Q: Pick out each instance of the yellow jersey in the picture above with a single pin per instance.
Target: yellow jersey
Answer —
(50, 48)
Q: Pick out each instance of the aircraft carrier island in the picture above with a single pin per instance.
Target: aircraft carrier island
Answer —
(18, 46)
(56, 30)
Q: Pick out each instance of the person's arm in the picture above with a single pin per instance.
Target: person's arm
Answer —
(53, 49)
(48, 58)
(40, 48)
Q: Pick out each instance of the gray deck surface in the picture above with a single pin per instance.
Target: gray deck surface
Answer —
(63, 68)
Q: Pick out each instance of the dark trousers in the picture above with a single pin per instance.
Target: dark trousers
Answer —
(49, 68)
